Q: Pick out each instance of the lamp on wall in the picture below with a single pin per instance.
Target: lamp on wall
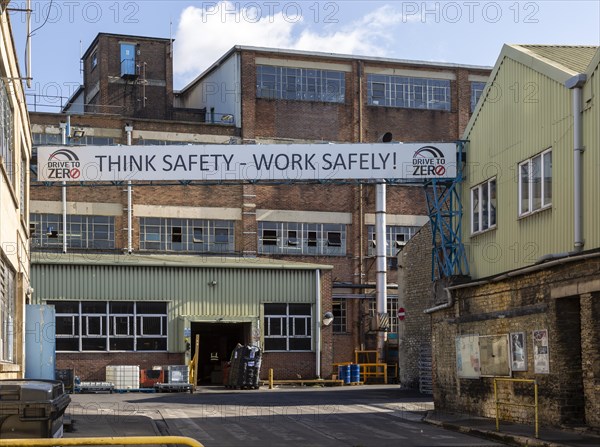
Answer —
(327, 318)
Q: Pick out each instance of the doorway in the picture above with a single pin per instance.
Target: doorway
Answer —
(217, 341)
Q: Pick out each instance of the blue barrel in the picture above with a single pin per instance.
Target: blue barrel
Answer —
(354, 373)
(344, 373)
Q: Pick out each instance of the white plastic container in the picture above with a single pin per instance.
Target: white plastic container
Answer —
(177, 374)
(123, 377)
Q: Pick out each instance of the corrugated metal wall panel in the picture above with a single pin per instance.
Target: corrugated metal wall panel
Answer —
(525, 113)
(591, 157)
(237, 293)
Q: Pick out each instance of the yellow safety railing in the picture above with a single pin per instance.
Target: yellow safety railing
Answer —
(534, 405)
(117, 440)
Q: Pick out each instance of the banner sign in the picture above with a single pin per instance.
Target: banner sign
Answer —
(248, 162)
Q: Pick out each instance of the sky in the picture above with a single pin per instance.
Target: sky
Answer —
(463, 32)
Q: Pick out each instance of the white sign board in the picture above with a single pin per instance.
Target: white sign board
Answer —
(248, 162)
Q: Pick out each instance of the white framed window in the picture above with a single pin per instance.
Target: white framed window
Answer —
(288, 327)
(190, 235)
(484, 203)
(6, 132)
(396, 237)
(294, 238)
(476, 91)
(408, 92)
(8, 290)
(110, 325)
(300, 84)
(535, 183)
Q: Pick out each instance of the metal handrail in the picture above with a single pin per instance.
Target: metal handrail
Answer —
(534, 405)
(117, 440)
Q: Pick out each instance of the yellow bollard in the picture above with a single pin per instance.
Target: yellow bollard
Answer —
(270, 378)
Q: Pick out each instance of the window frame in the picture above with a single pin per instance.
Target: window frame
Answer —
(300, 84)
(339, 308)
(108, 331)
(409, 92)
(531, 175)
(312, 239)
(492, 211)
(288, 326)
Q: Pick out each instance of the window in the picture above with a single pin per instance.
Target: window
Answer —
(186, 235)
(94, 59)
(8, 292)
(535, 183)
(85, 232)
(396, 238)
(300, 84)
(288, 327)
(110, 326)
(408, 92)
(483, 206)
(476, 91)
(392, 310)
(339, 310)
(301, 239)
(6, 132)
(176, 234)
(23, 188)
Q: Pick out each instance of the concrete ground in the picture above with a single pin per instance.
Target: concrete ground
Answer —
(303, 416)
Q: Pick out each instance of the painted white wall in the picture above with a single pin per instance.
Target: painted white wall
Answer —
(219, 90)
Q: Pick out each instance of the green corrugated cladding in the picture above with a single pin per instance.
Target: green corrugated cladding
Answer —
(591, 159)
(524, 114)
(236, 296)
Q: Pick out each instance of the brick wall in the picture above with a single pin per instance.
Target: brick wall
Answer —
(556, 299)
(415, 294)
(91, 366)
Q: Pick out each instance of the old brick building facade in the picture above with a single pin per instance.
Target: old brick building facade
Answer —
(255, 95)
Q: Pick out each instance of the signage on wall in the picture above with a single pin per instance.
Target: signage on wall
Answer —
(414, 161)
(541, 355)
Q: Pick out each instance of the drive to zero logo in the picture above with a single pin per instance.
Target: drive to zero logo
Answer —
(429, 161)
(63, 164)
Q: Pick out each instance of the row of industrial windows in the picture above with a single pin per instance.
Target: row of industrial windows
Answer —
(206, 236)
(301, 238)
(535, 192)
(408, 92)
(340, 314)
(8, 291)
(305, 84)
(110, 326)
(301, 84)
(191, 235)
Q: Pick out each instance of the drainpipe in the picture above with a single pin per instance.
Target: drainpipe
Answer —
(129, 130)
(381, 259)
(576, 85)
(318, 324)
(64, 129)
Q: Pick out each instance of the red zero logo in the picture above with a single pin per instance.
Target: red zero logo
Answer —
(75, 173)
(440, 170)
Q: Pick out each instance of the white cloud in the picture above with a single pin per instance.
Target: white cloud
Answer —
(205, 34)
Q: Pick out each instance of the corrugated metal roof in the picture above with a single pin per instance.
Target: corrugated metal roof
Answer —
(172, 261)
(575, 58)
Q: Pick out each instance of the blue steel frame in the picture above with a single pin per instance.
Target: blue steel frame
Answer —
(448, 256)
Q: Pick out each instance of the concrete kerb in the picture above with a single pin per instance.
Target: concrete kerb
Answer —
(505, 437)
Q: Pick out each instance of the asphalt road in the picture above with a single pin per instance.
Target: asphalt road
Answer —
(337, 416)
